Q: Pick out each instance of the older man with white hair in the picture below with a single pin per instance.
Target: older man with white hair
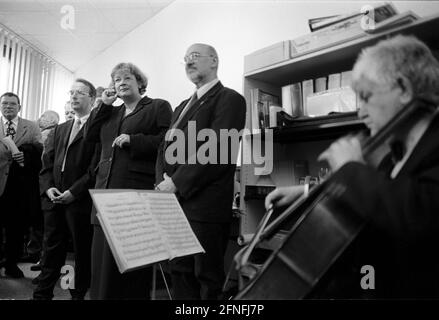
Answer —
(398, 201)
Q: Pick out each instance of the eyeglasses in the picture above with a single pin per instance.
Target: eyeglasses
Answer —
(194, 56)
(79, 92)
(13, 104)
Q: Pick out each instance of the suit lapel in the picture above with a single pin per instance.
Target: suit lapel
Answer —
(78, 135)
(2, 129)
(21, 130)
(178, 111)
(427, 146)
(66, 135)
(144, 101)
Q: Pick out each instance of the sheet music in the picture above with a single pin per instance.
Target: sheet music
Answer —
(10, 144)
(180, 238)
(132, 227)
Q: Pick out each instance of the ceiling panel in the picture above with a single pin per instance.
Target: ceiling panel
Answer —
(98, 24)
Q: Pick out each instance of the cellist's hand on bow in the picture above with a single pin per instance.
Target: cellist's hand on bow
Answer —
(342, 151)
(283, 196)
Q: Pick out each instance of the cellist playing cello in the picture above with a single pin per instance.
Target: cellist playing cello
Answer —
(400, 198)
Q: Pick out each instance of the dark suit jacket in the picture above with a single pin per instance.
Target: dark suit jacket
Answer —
(22, 181)
(133, 166)
(81, 160)
(206, 191)
(402, 235)
(28, 140)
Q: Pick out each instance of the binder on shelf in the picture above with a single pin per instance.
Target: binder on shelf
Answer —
(261, 102)
(320, 84)
(334, 81)
(307, 90)
(292, 99)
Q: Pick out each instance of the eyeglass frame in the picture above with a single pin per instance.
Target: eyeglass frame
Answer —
(79, 92)
(194, 56)
(11, 103)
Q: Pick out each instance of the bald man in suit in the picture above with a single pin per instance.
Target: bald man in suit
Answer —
(205, 191)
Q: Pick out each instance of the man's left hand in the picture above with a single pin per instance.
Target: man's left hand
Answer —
(167, 184)
(342, 151)
(65, 198)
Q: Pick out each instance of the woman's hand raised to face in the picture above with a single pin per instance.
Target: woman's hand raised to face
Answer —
(109, 96)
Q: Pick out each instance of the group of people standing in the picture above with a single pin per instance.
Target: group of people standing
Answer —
(120, 147)
(126, 146)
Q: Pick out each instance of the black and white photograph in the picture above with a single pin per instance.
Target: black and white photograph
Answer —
(219, 154)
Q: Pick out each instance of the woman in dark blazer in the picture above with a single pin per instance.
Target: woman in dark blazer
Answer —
(129, 136)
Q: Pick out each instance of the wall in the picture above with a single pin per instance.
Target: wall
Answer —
(234, 28)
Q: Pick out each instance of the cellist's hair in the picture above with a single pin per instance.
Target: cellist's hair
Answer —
(401, 56)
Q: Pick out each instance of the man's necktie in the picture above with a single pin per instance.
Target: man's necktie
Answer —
(191, 102)
(10, 130)
(75, 129)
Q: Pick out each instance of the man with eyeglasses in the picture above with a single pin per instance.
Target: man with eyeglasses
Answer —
(205, 191)
(18, 177)
(67, 174)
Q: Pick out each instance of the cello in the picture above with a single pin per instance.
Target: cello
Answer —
(318, 228)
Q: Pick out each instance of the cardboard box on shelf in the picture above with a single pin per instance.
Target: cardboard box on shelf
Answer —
(267, 56)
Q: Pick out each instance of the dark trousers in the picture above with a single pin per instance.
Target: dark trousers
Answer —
(34, 245)
(13, 219)
(107, 282)
(201, 276)
(58, 223)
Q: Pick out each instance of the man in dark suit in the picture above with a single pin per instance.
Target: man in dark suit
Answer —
(18, 171)
(395, 255)
(66, 176)
(47, 121)
(205, 191)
